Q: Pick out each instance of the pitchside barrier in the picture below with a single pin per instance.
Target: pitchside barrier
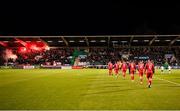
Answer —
(65, 67)
(74, 67)
(28, 67)
(97, 66)
(50, 67)
(23, 67)
(6, 67)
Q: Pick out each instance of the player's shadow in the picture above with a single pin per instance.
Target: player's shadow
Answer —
(176, 78)
(115, 91)
(94, 79)
(105, 83)
(174, 86)
(108, 86)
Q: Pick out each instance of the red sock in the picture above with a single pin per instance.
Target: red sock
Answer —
(124, 75)
(150, 81)
(110, 72)
(141, 78)
(116, 72)
(132, 77)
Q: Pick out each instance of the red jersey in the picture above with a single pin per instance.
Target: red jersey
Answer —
(116, 66)
(110, 66)
(132, 67)
(149, 68)
(124, 66)
(141, 67)
(120, 65)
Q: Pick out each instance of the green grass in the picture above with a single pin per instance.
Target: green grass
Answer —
(85, 89)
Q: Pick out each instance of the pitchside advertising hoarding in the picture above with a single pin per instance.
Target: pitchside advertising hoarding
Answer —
(28, 67)
(141, 57)
(66, 67)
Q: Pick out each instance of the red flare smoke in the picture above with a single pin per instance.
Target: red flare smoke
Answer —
(3, 44)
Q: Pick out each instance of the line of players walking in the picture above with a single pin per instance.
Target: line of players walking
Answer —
(142, 68)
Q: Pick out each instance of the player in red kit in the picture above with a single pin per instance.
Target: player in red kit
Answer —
(110, 67)
(141, 70)
(124, 68)
(116, 68)
(120, 65)
(149, 69)
(132, 67)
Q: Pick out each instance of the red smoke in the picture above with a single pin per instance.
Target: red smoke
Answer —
(22, 50)
(21, 42)
(8, 54)
(3, 44)
(32, 46)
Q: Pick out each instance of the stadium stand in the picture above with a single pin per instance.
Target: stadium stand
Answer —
(91, 50)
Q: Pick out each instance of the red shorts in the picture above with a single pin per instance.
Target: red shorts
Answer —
(124, 71)
(149, 75)
(132, 72)
(116, 70)
(140, 73)
(110, 70)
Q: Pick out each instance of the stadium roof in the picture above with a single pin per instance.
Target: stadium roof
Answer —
(100, 40)
(89, 18)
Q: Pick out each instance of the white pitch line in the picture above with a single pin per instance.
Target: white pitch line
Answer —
(178, 84)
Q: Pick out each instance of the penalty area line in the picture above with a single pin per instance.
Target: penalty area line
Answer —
(178, 84)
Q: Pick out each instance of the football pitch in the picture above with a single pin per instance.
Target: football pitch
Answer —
(91, 89)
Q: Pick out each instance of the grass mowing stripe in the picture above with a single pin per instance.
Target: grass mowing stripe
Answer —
(85, 89)
(89, 90)
(167, 81)
(22, 80)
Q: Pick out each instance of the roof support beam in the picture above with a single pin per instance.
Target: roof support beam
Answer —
(108, 41)
(155, 37)
(43, 41)
(65, 41)
(87, 42)
(91, 36)
(132, 37)
(174, 40)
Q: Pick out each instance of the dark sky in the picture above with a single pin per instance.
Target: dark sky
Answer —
(89, 18)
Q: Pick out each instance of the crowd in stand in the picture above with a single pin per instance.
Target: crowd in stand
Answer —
(103, 55)
(95, 56)
(49, 56)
